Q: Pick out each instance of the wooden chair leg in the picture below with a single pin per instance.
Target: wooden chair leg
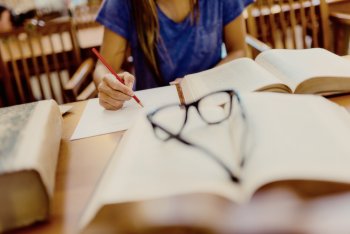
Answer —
(341, 39)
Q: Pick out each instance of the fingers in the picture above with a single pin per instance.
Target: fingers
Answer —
(128, 79)
(115, 84)
(109, 103)
(112, 93)
(108, 106)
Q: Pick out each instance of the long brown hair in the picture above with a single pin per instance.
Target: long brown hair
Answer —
(147, 28)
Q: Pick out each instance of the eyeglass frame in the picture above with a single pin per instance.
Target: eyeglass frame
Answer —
(195, 104)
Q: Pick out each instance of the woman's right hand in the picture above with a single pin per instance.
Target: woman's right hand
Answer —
(112, 93)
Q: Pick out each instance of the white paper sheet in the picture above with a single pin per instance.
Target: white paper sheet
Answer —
(95, 120)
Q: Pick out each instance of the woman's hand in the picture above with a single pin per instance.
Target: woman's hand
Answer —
(112, 93)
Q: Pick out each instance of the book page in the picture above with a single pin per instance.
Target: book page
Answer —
(145, 167)
(241, 74)
(95, 120)
(295, 66)
(65, 109)
(295, 137)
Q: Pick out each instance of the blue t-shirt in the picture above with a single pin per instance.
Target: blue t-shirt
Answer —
(186, 47)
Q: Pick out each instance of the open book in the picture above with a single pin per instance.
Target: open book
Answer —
(282, 138)
(30, 137)
(307, 71)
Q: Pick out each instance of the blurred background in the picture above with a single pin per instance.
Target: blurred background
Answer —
(45, 51)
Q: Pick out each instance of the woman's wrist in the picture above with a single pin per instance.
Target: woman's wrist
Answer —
(99, 72)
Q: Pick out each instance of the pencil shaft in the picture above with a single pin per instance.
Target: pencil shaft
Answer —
(99, 56)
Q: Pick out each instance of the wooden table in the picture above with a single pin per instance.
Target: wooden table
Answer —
(339, 11)
(89, 37)
(339, 5)
(89, 34)
(82, 162)
(80, 165)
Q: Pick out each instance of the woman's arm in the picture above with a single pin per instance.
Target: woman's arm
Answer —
(234, 38)
(113, 49)
(112, 93)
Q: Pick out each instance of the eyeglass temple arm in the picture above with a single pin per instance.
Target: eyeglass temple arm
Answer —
(212, 156)
(208, 152)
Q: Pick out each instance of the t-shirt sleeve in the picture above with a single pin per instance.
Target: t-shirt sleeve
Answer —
(233, 8)
(116, 16)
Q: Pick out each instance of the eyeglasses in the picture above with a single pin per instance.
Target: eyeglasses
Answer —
(207, 107)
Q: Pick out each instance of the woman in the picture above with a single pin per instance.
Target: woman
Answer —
(168, 39)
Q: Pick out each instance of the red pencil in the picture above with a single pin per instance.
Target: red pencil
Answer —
(99, 56)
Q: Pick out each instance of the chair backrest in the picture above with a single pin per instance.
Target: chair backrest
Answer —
(291, 24)
(37, 60)
(81, 86)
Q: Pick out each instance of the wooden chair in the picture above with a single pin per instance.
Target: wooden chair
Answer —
(81, 87)
(292, 24)
(38, 60)
(341, 27)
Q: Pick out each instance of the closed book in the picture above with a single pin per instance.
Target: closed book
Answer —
(30, 137)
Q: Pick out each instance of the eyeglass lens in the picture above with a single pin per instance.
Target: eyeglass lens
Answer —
(213, 108)
(219, 100)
